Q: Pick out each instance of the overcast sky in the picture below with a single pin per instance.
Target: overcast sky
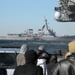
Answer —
(18, 15)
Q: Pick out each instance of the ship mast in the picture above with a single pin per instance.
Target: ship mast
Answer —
(49, 31)
(46, 24)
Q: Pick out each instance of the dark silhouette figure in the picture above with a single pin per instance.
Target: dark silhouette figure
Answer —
(3, 71)
(67, 65)
(41, 50)
(51, 64)
(20, 59)
(30, 67)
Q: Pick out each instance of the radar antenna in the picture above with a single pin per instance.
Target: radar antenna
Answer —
(65, 12)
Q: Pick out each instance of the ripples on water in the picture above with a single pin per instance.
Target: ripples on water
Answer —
(50, 47)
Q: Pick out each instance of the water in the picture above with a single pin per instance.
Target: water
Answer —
(51, 47)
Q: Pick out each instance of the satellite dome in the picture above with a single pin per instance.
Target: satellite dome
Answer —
(57, 15)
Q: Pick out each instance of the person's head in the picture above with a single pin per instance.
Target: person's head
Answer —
(31, 55)
(71, 47)
(60, 52)
(41, 48)
(53, 58)
(24, 48)
(44, 56)
(65, 52)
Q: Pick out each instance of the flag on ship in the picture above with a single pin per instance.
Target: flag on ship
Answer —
(43, 27)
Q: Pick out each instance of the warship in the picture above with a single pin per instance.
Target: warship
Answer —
(44, 34)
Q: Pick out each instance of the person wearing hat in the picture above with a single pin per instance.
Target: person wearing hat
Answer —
(20, 59)
(41, 50)
(29, 68)
(67, 65)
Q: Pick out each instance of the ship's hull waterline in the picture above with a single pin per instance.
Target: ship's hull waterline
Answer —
(15, 38)
(17, 42)
(41, 38)
(38, 38)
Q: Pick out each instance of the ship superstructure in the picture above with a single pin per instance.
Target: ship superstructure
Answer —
(45, 33)
(27, 35)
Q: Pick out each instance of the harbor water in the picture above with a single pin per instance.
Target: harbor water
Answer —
(51, 47)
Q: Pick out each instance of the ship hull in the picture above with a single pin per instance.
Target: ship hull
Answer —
(58, 38)
(17, 42)
(37, 39)
(16, 38)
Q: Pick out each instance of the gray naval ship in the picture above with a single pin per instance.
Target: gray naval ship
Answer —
(44, 34)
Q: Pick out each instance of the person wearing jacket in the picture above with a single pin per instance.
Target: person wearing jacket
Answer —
(20, 59)
(41, 61)
(67, 65)
(41, 50)
(30, 67)
(51, 64)
(3, 71)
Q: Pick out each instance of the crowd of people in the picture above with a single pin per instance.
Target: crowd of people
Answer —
(40, 62)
